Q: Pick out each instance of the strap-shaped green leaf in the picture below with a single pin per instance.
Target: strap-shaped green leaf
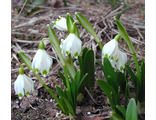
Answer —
(132, 75)
(61, 93)
(102, 67)
(89, 68)
(70, 108)
(121, 109)
(109, 71)
(53, 39)
(115, 116)
(107, 90)
(63, 78)
(121, 82)
(86, 24)
(131, 112)
(25, 59)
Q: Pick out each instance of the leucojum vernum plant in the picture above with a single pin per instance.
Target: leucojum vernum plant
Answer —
(114, 65)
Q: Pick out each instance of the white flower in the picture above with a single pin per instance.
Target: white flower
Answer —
(116, 57)
(23, 85)
(122, 60)
(60, 24)
(42, 62)
(110, 50)
(71, 45)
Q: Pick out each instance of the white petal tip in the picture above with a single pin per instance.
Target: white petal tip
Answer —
(44, 75)
(20, 98)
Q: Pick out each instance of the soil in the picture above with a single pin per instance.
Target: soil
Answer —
(27, 31)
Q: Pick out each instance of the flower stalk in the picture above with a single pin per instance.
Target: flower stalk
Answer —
(125, 36)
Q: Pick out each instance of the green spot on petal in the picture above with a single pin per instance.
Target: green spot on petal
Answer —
(44, 72)
(76, 54)
(112, 58)
(36, 70)
(106, 55)
(27, 93)
(121, 68)
(67, 52)
(116, 60)
(54, 22)
(20, 95)
(50, 69)
(58, 19)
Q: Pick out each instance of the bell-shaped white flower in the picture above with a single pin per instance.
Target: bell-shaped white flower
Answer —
(60, 24)
(42, 62)
(23, 85)
(110, 50)
(122, 60)
(71, 45)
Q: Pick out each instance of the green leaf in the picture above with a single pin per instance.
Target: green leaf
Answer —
(142, 85)
(102, 67)
(121, 82)
(87, 67)
(53, 39)
(70, 22)
(132, 75)
(107, 90)
(71, 110)
(131, 113)
(86, 24)
(63, 78)
(121, 109)
(108, 69)
(141, 107)
(26, 60)
(115, 116)
(52, 36)
(83, 78)
(112, 83)
(61, 94)
(122, 30)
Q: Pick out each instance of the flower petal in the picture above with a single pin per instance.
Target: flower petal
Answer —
(42, 61)
(60, 24)
(122, 60)
(71, 45)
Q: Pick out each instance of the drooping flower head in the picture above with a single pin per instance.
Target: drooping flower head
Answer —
(23, 84)
(71, 45)
(110, 50)
(60, 24)
(116, 57)
(42, 61)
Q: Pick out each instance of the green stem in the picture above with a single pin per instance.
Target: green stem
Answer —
(70, 66)
(68, 85)
(125, 36)
(98, 41)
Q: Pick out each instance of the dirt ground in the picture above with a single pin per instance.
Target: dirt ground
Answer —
(28, 28)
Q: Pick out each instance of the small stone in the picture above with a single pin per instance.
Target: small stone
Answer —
(88, 113)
